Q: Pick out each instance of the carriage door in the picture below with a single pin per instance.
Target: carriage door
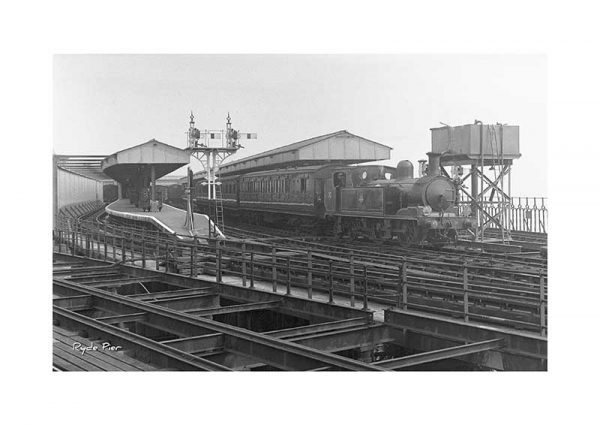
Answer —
(339, 182)
(320, 197)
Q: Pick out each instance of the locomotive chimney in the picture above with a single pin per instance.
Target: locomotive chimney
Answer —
(434, 164)
(405, 170)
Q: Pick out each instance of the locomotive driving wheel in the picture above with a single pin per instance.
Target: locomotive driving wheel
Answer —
(412, 236)
(441, 237)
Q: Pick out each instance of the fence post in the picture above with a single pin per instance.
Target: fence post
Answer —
(123, 255)
(114, 247)
(405, 284)
(167, 255)
(59, 241)
(90, 242)
(219, 265)
(192, 257)
(352, 279)
(309, 278)
(289, 278)
(73, 236)
(251, 269)
(156, 252)
(542, 306)
(132, 248)
(97, 240)
(466, 292)
(330, 282)
(143, 251)
(81, 240)
(87, 243)
(105, 246)
(274, 262)
(244, 264)
(400, 288)
(366, 291)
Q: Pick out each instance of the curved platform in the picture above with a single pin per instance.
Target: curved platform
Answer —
(171, 219)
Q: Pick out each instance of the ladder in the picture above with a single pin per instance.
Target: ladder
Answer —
(219, 220)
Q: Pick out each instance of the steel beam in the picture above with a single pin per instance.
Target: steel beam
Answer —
(528, 350)
(443, 354)
(157, 353)
(76, 302)
(238, 308)
(196, 344)
(154, 296)
(188, 302)
(281, 354)
(122, 318)
(346, 339)
(318, 328)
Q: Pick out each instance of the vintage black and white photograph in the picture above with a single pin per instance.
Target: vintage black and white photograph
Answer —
(282, 194)
(300, 213)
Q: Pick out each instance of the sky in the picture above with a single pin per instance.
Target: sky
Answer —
(105, 103)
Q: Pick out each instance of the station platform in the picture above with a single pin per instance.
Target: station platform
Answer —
(171, 219)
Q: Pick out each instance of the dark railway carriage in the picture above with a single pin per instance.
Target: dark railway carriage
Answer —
(287, 191)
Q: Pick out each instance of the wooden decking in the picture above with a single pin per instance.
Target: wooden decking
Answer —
(67, 355)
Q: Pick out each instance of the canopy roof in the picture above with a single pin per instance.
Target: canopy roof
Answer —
(340, 147)
(131, 162)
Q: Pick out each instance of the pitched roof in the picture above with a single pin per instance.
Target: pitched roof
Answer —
(340, 146)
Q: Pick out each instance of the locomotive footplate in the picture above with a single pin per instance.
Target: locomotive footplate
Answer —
(408, 229)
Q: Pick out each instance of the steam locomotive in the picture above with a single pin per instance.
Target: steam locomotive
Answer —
(373, 201)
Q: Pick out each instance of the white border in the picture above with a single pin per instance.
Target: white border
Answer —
(568, 33)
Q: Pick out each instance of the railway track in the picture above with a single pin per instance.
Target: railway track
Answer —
(394, 252)
(497, 293)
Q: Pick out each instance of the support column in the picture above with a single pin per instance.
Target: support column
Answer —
(153, 181)
(119, 190)
(366, 353)
(474, 188)
(208, 176)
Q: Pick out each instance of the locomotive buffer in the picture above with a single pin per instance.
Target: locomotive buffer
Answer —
(211, 148)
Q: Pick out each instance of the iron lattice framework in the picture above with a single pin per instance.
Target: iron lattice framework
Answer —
(489, 198)
(211, 148)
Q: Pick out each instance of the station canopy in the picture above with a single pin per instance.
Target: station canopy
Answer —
(85, 165)
(340, 147)
(129, 163)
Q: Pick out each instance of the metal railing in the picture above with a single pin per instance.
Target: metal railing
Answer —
(464, 291)
(526, 214)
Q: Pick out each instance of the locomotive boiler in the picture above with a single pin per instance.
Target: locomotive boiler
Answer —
(402, 207)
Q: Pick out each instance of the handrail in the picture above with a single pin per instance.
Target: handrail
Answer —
(407, 286)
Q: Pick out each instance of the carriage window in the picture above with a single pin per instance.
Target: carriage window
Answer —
(303, 185)
(287, 185)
